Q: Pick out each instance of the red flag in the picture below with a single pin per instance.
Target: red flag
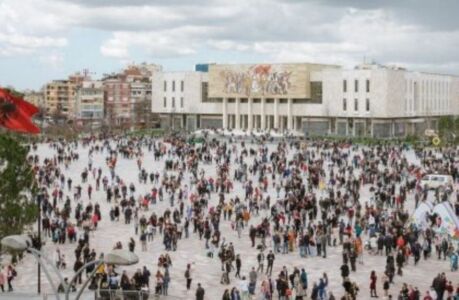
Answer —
(15, 113)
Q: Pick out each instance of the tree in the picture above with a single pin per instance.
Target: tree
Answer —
(456, 125)
(17, 188)
(446, 125)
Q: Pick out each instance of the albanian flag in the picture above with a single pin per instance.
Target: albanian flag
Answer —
(16, 114)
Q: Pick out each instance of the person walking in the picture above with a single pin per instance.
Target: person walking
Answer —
(76, 267)
(166, 280)
(159, 283)
(244, 288)
(226, 295)
(261, 261)
(200, 292)
(10, 274)
(188, 277)
(373, 279)
(252, 281)
(270, 258)
(323, 241)
(386, 285)
(344, 271)
(146, 276)
(304, 279)
(238, 266)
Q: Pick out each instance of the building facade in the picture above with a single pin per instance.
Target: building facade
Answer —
(89, 107)
(370, 100)
(117, 104)
(37, 98)
(379, 101)
(60, 96)
(181, 99)
(128, 96)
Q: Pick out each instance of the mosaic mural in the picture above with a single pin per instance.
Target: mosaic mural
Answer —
(261, 80)
(291, 80)
(257, 79)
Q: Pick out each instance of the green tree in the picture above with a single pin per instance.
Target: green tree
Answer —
(446, 125)
(17, 188)
(456, 124)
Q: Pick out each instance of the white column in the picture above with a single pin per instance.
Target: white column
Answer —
(372, 128)
(263, 116)
(249, 114)
(238, 115)
(289, 115)
(276, 113)
(225, 113)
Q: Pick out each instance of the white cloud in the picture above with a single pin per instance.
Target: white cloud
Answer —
(331, 31)
(24, 41)
(19, 44)
(24, 30)
(159, 44)
(115, 48)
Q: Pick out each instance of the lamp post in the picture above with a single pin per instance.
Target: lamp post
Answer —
(39, 200)
(115, 257)
(23, 243)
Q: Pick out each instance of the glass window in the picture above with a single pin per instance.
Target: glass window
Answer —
(368, 85)
(344, 85)
(367, 105)
(165, 85)
(344, 104)
(173, 85)
(356, 85)
(356, 104)
(181, 101)
(173, 102)
(204, 91)
(300, 100)
(316, 92)
(182, 85)
(164, 101)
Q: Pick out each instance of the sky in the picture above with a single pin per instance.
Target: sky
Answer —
(42, 40)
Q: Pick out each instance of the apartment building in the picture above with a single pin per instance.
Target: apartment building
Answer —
(90, 102)
(60, 96)
(127, 96)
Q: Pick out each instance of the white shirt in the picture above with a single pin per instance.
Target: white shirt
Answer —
(243, 286)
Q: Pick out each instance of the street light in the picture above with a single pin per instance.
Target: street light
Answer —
(121, 258)
(17, 242)
(22, 243)
(115, 257)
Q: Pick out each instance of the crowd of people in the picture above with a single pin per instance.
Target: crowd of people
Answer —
(297, 199)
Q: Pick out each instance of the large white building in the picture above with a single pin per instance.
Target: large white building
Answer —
(181, 99)
(371, 100)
